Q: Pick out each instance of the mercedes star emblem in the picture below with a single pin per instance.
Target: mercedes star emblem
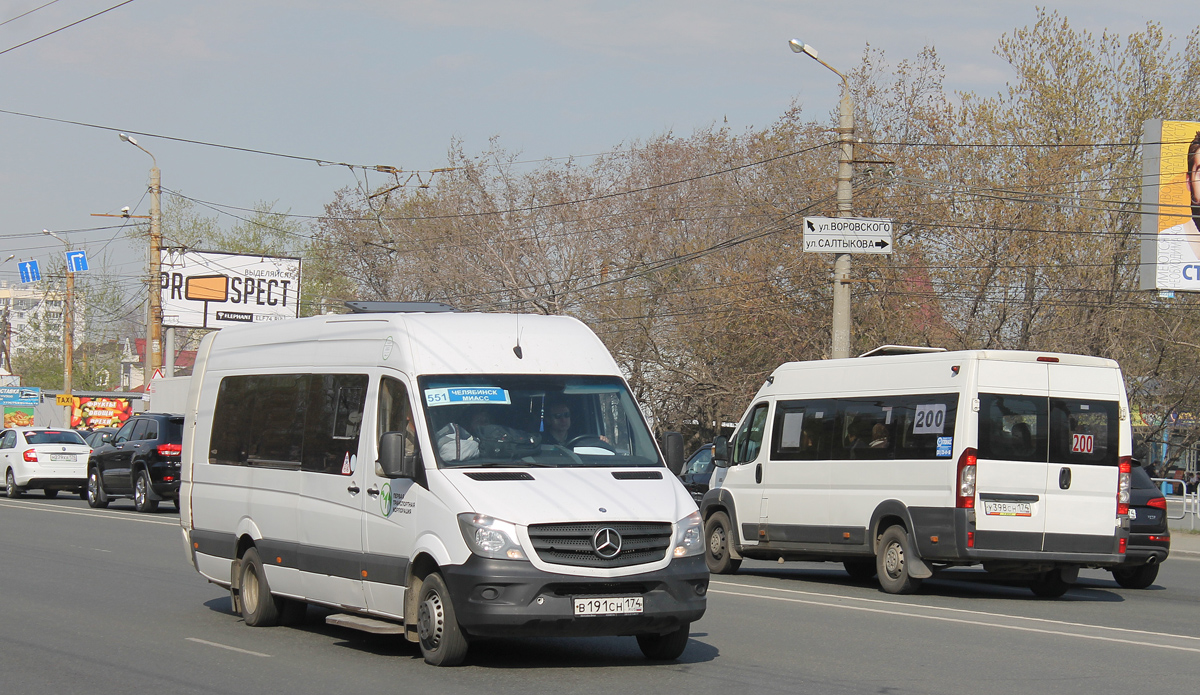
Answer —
(607, 543)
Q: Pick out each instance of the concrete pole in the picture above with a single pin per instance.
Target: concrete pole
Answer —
(154, 317)
(68, 339)
(841, 264)
(169, 353)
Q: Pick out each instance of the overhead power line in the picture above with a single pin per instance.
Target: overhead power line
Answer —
(51, 33)
(28, 12)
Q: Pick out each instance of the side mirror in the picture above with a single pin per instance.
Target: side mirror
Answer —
(673, 450)
(720, 456)
(107, 437)
(394, 458)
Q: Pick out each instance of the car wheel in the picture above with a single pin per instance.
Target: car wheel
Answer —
(1049, 584)
(442, 640)
(1136, 577)
(259, 607)
(141, 493)
(891, 563)
(860, 570)
(668, 647)
(96, 497)
(716, 551)
(11, 487)
(50, 494)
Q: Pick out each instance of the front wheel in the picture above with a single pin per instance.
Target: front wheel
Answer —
(891, 563)
(716, 552)
(1136, 577)
(442, 640)
(141, 493)
(11, 488)
(259, 607)
(96, 497)
(668, 647)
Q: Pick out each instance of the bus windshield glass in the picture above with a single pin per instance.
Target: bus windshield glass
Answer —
(523, 421)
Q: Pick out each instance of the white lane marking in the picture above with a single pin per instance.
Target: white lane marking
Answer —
(974, 623)
(1186, 552)
(94, 515)
(947, 609)
(226, 646)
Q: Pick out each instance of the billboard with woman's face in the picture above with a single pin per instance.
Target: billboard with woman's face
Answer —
(1170, 258)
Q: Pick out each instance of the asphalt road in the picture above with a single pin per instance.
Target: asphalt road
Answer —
(104, 601)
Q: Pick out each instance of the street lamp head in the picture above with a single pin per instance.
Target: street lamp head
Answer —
(127, 138)
(799, 46)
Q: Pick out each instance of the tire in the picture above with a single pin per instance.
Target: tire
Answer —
(176, 501)
(668, 647)
(96, 497)
(442, 640)
(259, 607)
(141, 493)
(716, 550)
(1136, 577)
(10, 485)
(50, 494)
(860, 570)
(83, 494)
(1049, 585)
(890, 563)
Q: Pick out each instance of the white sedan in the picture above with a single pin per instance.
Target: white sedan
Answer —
(44, 458)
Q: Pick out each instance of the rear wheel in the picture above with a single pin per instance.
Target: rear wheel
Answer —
(11, 488)
(716, 553)
(1050, 584)
(141, 493)
(259, 607)
(442, 640)
(50, 494)
(96, 497)
(891, 563)
(860, 570)
(1136, 577)
(666, 647)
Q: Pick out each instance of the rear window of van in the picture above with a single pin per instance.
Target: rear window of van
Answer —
(1053, 430)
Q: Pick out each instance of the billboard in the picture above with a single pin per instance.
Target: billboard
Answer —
(17, 404)
(1170, 243)
(202, 289)
(95, 412)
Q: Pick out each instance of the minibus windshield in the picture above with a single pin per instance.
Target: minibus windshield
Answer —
(520, 421)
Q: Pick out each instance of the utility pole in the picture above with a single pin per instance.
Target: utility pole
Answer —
(153, 355)
(841, 265)
(68, 325)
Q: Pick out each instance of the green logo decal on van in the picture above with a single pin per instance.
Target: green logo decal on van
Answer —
(385, 500)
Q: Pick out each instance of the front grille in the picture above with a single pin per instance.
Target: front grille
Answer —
(571, 544)
(599, 589)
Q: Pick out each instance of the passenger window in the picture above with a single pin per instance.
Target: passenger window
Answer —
(700, 464)
(139, 430)
(125, 433)
(335, 411)
(924, 426)
(395, 415)
(749, 439)
(260, 420)
(151, 431)
(9, 440)
(866, 429)
(1012, 428)
(802, 430)
(1083, 432)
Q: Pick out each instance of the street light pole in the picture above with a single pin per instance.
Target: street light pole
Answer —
(154, 313)
(841, 264)
(68, 325)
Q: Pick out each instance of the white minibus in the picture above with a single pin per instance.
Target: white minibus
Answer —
(909, 460)
(437, 475)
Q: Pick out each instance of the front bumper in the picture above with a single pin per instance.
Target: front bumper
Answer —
(509, 598)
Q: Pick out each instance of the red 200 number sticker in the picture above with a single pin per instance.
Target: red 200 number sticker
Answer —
(1081, 443)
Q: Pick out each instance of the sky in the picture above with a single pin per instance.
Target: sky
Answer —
(396, 82)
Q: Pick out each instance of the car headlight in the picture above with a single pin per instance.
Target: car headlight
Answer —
(688, 533)
(488, 537)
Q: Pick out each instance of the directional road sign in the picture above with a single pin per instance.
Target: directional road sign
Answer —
(29, 271)
(847, 235)
(77, 261)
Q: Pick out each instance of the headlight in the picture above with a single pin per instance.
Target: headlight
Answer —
(688, 533)
(490, 537)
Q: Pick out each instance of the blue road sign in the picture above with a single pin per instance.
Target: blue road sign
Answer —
(77, 261)
(29, 271)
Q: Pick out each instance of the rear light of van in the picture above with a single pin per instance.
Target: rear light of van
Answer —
(1158, 503)
(170, 449)
(965, 498)
(30, 455)
(1124, 481)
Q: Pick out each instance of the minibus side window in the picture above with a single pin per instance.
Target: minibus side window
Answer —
(1083, 431)
(865, 429)
(395, 415)
(923, 426)
(749, 439)
(802, 430)
(333, 422)
(259, 420)
(1012, 428)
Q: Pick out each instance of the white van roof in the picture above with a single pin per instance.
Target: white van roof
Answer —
(418, 343)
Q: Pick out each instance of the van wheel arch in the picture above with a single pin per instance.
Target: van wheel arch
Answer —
(419, 568)
(720, 500)
(889, 513)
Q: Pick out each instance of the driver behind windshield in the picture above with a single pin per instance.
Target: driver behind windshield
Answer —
(558, 424)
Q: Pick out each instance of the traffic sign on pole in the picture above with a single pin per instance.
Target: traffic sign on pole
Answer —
(847, 235)
(77, 261)
(29, 271)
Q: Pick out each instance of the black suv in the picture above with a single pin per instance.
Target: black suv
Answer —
(1149, 537)
(140, 460)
